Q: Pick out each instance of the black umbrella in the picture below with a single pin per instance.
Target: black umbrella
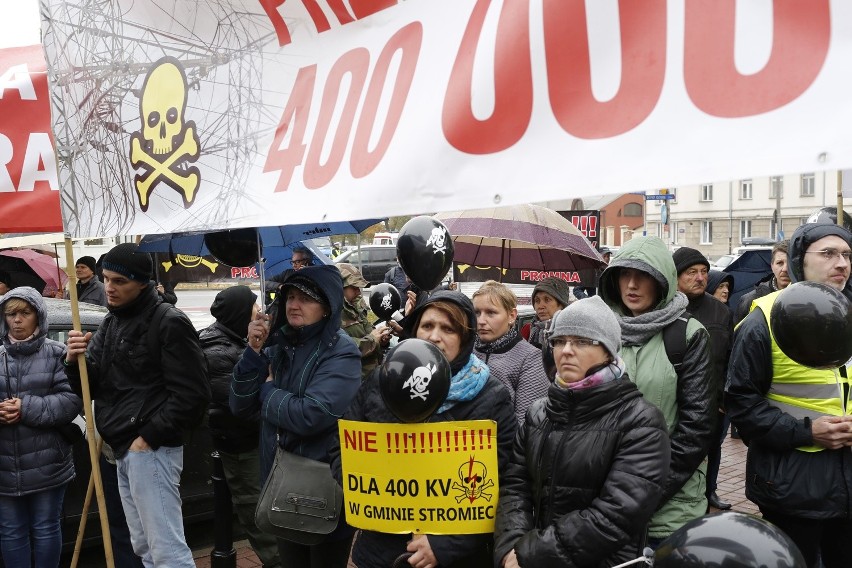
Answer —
(19, 273)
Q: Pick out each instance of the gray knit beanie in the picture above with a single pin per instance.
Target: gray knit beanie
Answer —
(556, 287)
(590, 318)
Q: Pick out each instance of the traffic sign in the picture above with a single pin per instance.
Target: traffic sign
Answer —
(662, 197)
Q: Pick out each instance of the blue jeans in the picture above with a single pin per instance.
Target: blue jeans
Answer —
(149, 484)
(29, 529)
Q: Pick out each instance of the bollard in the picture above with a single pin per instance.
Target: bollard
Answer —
(223, 554)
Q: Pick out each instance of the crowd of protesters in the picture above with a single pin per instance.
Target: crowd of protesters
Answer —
(614, 451)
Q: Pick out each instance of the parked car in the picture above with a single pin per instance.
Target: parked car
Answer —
(373, 261)
(195, 488)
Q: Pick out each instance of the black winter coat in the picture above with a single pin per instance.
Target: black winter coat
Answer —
(593, 463)
(373, 549)
(716, 318)
(222, 349)
(779, 478)
(139, 394)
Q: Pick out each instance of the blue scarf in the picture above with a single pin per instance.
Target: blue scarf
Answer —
(466, 384)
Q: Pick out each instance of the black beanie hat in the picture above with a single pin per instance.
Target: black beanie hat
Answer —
(232, 308)
(88, 261)
(129, 262)
(684, 257)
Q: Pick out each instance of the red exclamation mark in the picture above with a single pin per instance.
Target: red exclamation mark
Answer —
(456, 437)
(396, 438)
(423, 442)
(389, 443)
(405, 443)
(481, 440)
(431, 447)
(464, 440)
(489, 439)
(593, 228)
(448, 441)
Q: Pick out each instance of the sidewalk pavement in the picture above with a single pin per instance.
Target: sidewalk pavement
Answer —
(731, 489)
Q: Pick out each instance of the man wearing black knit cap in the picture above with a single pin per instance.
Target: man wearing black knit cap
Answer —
(144, 400)
(692, 277)
(89, 288)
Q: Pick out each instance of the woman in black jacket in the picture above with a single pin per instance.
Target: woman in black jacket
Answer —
(589, 463)
(447, 320)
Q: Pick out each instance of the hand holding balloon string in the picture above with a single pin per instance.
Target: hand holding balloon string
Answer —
(258, 331)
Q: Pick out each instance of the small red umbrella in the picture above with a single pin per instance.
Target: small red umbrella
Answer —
(26, 267)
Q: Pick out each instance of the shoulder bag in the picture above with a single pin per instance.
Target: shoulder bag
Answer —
(300, 501)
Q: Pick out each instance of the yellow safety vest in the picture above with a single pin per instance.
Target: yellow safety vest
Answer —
(802, 392)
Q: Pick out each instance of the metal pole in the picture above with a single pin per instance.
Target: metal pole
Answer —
(839, 197)
(223, 554)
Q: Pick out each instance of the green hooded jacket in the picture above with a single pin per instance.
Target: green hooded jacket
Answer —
(686, 399)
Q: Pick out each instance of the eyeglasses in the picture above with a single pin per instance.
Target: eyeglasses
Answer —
(577, 342)
(832, 254)
(301, 262)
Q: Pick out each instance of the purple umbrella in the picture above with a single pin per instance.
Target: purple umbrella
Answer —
(527, 237)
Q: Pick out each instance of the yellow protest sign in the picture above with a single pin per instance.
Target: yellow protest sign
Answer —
(435, 478)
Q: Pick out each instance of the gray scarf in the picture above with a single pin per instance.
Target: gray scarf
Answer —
(637, 330)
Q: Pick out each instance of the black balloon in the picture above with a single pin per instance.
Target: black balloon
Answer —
(812, 325)
(829, 215)
(414, 380)
(234, 247)
(424, 249)
(732, 540)
(385, 300)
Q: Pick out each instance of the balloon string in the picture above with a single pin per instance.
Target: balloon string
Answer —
(647, 558)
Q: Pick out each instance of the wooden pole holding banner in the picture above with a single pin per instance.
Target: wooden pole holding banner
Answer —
(94, 452)
(78, 545)
(840, 197)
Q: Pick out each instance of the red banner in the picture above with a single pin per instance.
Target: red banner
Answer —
(29, 190)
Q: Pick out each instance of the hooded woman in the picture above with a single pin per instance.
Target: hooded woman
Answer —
(640, 286)
(588, 466)
(720, 285)
(301, 373)
(235, 439)
(36, 463)
(447, 320)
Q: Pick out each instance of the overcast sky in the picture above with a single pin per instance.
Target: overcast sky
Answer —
(19, 24)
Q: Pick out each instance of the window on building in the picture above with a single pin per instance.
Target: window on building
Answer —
(776, 187)
(707, 192)
(706, 232)
(807, 185)
(745, 229)
(632, 210)
(775, 228)
(745, 189)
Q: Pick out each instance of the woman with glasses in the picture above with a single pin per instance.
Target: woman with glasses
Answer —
(515, 362)
(36, 463)
(589, 465)
(640, 286)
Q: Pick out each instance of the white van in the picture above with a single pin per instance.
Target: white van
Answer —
(385, 238)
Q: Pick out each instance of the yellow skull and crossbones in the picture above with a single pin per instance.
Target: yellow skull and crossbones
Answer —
(167, 141)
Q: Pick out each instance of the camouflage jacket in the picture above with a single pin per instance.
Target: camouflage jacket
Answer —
(357, 326)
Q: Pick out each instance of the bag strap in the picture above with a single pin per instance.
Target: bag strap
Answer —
(153, 335)
(674, 339)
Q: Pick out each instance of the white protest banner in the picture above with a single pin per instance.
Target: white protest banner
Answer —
(237, 113)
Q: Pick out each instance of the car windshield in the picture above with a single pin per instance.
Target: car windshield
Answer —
(724, 260)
